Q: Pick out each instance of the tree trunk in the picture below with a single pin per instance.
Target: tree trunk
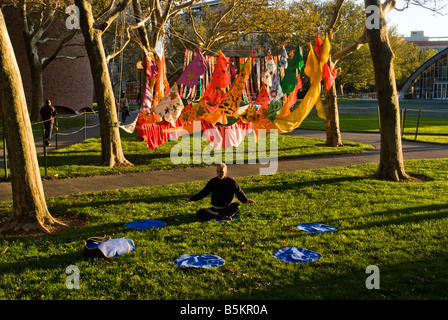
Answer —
(29, 212)
(332, 128)
(391, 165)
(111, 150)
(37, 79)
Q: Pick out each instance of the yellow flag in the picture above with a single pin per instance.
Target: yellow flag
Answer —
(312, 97)
(311, 64)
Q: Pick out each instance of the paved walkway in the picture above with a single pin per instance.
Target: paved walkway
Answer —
(52, 188)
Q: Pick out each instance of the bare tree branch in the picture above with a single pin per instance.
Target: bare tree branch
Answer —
(67, 38)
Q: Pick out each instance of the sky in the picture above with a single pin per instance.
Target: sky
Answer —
(419, 19)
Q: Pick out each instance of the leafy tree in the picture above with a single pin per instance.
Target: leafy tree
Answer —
(391, 165)
(93, 29)
(29, 209)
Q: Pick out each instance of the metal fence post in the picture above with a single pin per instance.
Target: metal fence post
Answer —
(44, 147)
(403, 121)
(5, 158)
(379, 120)
(85, 125)
(56, 129)
(418, 122)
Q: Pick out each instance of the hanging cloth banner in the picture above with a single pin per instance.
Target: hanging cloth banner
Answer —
(170, 107)
(317, 47)
(283, 61)
(311, 64)
(159, 48)
(220, 137)
(192, 73)
(270, 70)
(291, 99)
(154, 133)
(162, 86)
(295, 118)
(263, 97)
(330, 75)
(276, 92)
(220, 80)
(290, 80)
(151, 73)
(229, 106)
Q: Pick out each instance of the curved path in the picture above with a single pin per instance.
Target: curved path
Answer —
(411, 150)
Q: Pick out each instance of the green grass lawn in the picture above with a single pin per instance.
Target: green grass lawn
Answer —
(83, 158)
(362, 116)
(402, 228)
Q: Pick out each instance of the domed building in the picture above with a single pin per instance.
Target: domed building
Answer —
(430, 80)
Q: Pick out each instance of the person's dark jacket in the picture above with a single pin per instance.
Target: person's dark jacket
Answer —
(222, 190)
(47, 113)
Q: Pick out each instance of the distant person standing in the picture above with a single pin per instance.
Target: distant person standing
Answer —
(48, 113)
(124, 107)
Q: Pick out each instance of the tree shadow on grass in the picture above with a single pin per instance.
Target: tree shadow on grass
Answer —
(401, 217)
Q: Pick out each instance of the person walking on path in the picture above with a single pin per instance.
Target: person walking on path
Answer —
(223, 189)
(124, 107)
(48, 114)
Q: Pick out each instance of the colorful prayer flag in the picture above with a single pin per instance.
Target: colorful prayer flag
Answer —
(317, 47)
(229, 106)
(193, 71)
(170, 107)
(270, 71)
(283, 61)
(290, 80)
(329, 74)
(214, 93)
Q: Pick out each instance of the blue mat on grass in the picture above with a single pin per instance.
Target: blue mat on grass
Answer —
(199, 261)
(315, 227)
(296, 255)
(145, 224)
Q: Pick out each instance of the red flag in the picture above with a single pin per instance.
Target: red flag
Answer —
(263, 97)
(220, 80)
(330, 75)
(317, 47)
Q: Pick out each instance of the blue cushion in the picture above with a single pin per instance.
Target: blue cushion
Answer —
(111, 248)
(296, 255)
(199, 261)
(315, 227)
(145, 224)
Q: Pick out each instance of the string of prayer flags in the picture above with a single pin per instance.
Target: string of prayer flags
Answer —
(312, 97)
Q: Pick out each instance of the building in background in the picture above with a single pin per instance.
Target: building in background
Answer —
(430, 80)
(68, 83)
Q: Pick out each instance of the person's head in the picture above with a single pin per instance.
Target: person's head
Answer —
(48, 102)
(221, 171)
(122, 94)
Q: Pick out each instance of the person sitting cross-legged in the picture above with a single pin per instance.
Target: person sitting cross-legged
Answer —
(223, 189)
